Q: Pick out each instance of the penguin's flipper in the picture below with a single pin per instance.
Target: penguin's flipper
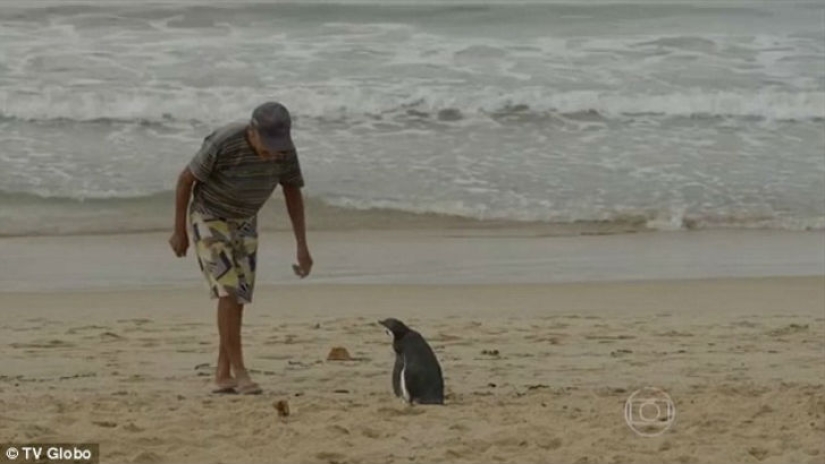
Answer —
(409, 386)
(396, 375)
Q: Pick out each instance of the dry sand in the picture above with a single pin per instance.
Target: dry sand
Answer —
(742, 359)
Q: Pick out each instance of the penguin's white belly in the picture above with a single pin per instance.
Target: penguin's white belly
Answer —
(404, 392)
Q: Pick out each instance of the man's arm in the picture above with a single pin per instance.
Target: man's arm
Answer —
(198, 169)
(295, 207)
(182, 194)
(180, 239)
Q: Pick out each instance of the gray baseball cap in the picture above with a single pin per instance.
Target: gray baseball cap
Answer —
(273, 123)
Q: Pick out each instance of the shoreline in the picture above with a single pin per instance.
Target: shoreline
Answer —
(460, 256)
(154, 214)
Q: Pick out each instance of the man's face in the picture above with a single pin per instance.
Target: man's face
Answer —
(258, 146)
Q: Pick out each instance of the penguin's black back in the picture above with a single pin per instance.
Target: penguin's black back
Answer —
(422, 372)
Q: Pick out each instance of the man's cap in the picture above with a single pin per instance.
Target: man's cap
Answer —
(273, 123)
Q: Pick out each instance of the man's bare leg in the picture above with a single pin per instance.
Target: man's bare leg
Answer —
(223, 373)
(230, 314)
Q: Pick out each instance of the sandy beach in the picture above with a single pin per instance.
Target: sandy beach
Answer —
(535, 372)
(606, 217)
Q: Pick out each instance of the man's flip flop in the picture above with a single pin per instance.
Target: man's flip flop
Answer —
(253, 389)
(225, 391)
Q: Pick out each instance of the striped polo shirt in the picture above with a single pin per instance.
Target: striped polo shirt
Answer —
(233, 181)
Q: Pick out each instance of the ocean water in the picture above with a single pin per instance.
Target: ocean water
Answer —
(656, 115)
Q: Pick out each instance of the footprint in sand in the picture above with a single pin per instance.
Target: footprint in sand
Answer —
(134, 378)
(331, 457)
(371, 433)
(105, 424)
(674, 333)
(609, 337)
(34, 431)
(134, 321)
(131, 427)
(110, 336)
(401, 411)
(146, 457)
(788, 330)
(549, 443)
(74, 330)
(442, 337)
(44, 344)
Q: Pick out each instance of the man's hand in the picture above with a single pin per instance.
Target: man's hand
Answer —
(304, 266)
(295, 208)
(179, 242)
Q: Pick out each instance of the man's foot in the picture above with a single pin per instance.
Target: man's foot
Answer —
(225, 385)
(245, 384)
(250, 388)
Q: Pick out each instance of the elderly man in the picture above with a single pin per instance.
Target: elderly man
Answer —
(234, 173)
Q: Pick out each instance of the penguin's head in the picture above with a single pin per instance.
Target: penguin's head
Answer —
(395, 327)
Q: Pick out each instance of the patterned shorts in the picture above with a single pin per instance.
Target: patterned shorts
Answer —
(227, 253)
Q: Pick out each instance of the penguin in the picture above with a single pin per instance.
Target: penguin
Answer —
(416, 375)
